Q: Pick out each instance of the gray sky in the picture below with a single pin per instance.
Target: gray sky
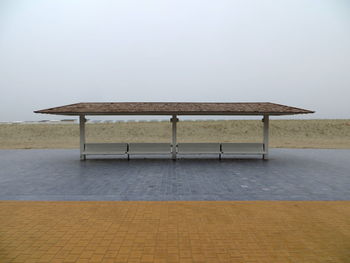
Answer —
(293, 52)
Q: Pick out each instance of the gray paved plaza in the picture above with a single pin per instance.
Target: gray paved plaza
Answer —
(290, 174)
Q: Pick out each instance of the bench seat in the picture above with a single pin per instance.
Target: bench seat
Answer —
(198, 148)
(165, 148)
(242, 148)
(105, 148)
(149, 148)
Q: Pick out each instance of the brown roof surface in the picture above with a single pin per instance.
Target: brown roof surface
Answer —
(169, 108)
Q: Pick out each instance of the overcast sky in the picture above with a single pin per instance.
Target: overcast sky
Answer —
(293, 52)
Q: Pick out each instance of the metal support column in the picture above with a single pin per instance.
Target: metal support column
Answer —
(82, 121)
(174, 120)
(266, 137)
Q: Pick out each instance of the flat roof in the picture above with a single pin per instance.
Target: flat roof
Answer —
(174, 108)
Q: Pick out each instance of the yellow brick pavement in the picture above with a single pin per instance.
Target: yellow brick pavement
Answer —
(171, 231)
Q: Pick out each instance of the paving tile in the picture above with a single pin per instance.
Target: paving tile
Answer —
(175, 231)
(290, 174)
(218, 231)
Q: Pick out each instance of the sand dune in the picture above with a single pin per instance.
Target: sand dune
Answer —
(283, 133)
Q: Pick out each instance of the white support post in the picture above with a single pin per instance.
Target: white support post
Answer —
(174, 120)
(82, 121)
(266, 137)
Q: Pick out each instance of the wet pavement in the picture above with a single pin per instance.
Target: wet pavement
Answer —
(290, 174)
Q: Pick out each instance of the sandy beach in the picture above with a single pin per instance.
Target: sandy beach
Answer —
(283, 133)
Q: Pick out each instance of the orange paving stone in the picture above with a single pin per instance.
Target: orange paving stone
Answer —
(171, 231)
